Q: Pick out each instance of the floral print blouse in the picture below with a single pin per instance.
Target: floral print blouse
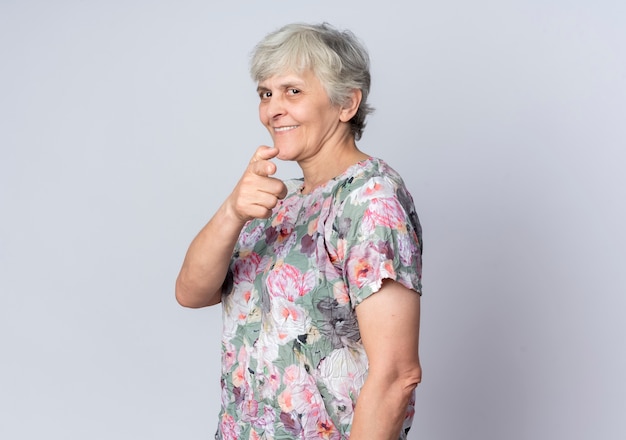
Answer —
(292, 357)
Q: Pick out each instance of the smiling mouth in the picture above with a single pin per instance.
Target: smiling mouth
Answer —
(281, 129)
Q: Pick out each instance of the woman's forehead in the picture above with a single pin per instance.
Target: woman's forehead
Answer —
(290, 78)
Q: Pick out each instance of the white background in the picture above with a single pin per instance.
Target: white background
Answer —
(124, 124)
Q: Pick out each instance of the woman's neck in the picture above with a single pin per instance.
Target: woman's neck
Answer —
(328, 164)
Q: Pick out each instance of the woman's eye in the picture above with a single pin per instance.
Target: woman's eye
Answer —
(294, 91)
(265, 95)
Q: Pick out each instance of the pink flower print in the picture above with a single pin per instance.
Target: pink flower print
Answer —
(279, 218)
(388, 270)
(287, 211)
(312, 228)
(228, 356)
(273, 380)
(247, 240)
(241, 302)
(284, 233)
(230, 429)
(289, 320)
(326, 430)
(324, 210)
(301, 393)
(341, 249)
(265, 421)
(383, 212)
(282, 225)
(313, 209)
(239, 376)
(340, 292)
(285, 401)
(318, 425)
(299, 399)
(249, 410)
(242, 356)
(291, 375)
(302, 406)
(363, 265)
(247, 267)
(376, 187)
(287, 281)
(372, 189)
(281, 240)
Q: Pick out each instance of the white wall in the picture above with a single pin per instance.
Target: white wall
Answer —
(124, 124)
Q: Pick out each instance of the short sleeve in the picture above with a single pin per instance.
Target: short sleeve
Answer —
(381, 236)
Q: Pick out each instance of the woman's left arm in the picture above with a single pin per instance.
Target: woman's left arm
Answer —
(389, 324)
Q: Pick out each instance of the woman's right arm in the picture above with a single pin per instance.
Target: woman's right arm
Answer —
(204, 269)
(206, 263)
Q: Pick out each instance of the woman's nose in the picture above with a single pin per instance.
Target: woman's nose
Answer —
(275, 107)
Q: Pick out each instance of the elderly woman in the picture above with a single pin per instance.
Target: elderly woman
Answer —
(319, 277)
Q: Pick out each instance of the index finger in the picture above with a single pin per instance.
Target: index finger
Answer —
(264, 153)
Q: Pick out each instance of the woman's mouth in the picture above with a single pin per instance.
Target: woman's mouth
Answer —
(287, 128)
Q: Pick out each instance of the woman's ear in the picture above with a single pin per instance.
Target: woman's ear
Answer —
(351, 106)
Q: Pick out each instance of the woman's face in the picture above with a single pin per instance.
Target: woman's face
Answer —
(297, 112)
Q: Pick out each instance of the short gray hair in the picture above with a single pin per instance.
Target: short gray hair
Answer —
(337, 58)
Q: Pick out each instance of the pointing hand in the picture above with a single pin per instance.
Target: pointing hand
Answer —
(257, 193)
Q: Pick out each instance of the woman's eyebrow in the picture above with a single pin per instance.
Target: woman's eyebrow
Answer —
(285, 85)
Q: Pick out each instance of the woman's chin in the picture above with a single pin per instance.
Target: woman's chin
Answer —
(284, 153)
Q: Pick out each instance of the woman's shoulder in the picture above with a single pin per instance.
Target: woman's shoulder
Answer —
(376, 167)
(372, 177)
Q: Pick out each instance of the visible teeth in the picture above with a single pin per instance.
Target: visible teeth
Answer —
(291, 127)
